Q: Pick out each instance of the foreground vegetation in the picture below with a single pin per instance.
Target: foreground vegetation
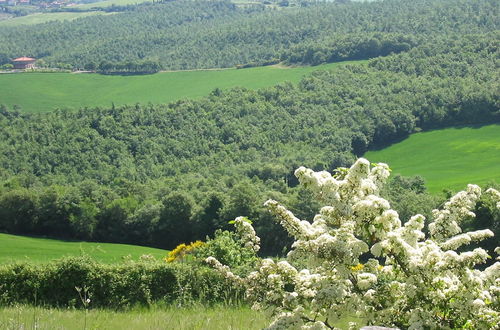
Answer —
(69, 282)
(65, 90)
(447, 158)
(357, 256)
(97, 295)
(155, 317)
(38, 250)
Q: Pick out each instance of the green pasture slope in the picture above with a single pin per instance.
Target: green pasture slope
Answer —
(38, 92)
(38, 18)
(447, 158)
(18, 248)
(109, 3)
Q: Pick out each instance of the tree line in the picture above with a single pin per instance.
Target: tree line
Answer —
(129, 67)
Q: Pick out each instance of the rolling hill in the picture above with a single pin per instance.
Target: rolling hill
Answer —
(17, 248)
(447, 158)
(215, 34)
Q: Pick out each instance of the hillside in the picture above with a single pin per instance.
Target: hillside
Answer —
(161, 174)
(230, 134)
(207, 34)
(132, 174)
(448, 158)
(20, 248)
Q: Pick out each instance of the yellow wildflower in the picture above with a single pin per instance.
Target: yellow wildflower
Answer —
(357, 268)
(181, 250)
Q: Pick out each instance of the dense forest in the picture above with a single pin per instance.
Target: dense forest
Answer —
(206, 34)
(164, 174)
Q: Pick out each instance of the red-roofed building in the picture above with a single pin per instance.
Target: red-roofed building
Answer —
(24, 63)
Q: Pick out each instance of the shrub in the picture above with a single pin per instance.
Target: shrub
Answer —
(113, 286)
(357, 258)
(227, 248)
(182, 250)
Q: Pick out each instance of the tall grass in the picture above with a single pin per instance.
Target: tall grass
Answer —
(219, 317)
(155, 317)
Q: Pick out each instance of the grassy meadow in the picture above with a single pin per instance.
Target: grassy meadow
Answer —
(39, 18)
(38, 92)
(156, 317)
(108, 3)
(447, 158)
(18, 248)
(207, 318)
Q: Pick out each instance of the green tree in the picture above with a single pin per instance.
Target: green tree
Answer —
(174, 225)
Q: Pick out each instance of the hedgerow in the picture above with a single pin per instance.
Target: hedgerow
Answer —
(111, 285)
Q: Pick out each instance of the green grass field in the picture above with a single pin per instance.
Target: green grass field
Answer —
(448, 158)
(108, 3)
(219, 317)
(39, 18)
(17, 248)
(156, 317)
(37, 92)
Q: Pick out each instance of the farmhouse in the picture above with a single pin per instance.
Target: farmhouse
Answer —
(24, 63)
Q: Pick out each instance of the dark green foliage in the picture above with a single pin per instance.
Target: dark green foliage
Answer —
(174, 224)
(227, 248)
(487, 217)
(55, 207)
(18, 211)
(111, 224)
(409, 197)
(349, 46)
(209, 219)
(243, 201)
(112, 286)
(144, 67)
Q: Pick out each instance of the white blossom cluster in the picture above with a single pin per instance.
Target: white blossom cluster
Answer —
(446, 221)
(223, 269)
(356, 258)
(495, 194)
(247, 234)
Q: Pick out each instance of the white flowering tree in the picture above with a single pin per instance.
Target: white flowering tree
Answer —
(356, 258)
